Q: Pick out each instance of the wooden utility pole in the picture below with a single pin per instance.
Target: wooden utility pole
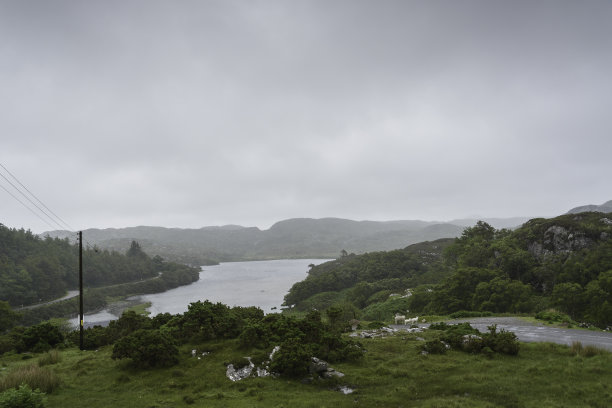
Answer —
(81, 290)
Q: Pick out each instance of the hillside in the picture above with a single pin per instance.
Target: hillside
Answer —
(293, 238)
(33, 269)
(604, 208)
(563, 262)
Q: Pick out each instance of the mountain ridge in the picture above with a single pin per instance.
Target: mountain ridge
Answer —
(290, 238)
(603, 208)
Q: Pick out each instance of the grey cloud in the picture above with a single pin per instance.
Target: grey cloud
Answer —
(193, 113)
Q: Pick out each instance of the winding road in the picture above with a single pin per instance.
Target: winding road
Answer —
(538, 332)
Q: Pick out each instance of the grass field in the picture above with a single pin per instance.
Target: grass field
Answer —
(392, 373)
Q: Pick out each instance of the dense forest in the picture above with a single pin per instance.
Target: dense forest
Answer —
(33, 269)
(563, 263)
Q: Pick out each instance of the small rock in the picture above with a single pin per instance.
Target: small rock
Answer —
(345, 390)
(317, 366)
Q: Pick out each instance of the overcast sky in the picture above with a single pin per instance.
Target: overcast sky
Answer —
(195, 113)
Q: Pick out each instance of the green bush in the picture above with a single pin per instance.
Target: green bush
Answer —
(472, 343)
(147, 348)
(453, 334)
(40, 337)
(375, 325)
(551, 315)
(439, 326)
(504, 342)
(292, 359)
(435, 347)
(22, 397)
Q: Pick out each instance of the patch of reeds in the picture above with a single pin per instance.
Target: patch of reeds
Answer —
(51, 357)
(578, 349)
(32, 375)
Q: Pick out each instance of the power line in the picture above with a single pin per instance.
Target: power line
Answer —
(30, 200)
(37, 199)
(65, 224)
(22, 203)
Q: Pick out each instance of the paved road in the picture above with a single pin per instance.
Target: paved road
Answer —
(71, 294)
(532, 332)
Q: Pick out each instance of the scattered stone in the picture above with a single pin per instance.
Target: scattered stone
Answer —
(345, 389)
(262, 372)
(317, 366)
(424, 353)
(322, 369)
(241, 373)
(274, 351)
(420, 339)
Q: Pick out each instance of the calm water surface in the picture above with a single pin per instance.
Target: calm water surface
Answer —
(259, 283)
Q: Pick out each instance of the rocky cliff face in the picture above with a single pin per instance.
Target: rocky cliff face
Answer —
(563, 240)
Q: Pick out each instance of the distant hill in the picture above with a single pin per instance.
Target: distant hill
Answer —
(604, 208)
(292, 238)
(497, 223)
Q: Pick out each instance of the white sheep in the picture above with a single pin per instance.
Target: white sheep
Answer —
(399, 319)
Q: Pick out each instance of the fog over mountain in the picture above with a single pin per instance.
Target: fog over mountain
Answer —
(293, 238)
(604, 208)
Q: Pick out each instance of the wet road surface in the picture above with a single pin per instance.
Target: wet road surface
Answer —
(538, 332)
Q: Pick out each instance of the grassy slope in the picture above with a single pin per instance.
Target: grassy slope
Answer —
(393, 373)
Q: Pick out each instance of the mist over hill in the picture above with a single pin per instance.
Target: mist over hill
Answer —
(292, 238)
(603, 208)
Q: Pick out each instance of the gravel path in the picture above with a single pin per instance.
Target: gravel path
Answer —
(532, 332)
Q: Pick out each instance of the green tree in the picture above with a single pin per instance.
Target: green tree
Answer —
(8, 318)
(569, 298)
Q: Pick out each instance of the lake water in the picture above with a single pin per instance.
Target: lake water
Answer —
(259, 283)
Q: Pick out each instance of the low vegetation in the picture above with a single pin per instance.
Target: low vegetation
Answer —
(393, 372)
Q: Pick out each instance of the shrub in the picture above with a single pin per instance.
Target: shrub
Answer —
(292, 360)
(551, 315)
(472, 343)
(438, 326)
(6, 344)
(34, 376)
(453, 334)
(504, 342)
(375, 325)
(22, 397)
(40, 337)
(147, 348)
(435, 347)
